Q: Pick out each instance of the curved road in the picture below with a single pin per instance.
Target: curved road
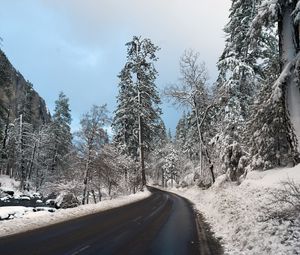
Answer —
(163, 223)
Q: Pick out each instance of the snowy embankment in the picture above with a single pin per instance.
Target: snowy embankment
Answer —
(243, 215)
(32, 220)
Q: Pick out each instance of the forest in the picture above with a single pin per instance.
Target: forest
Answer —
(248, 119)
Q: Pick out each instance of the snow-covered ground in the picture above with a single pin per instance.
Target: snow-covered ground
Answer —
(8, 184)
(238, 213)
(30, 220)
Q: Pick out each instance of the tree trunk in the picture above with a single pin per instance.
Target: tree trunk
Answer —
(162, 178)
(199, 124)
(32, 161)
(93, 193)
(288, 49)
(6, 131)
(85, 181)
(287, 35)
(87, 197)
(99, 195)
(109, 188)
(200, 136)
(22, 160)
(141, 145)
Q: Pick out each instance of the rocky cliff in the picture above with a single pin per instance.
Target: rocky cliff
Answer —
(17, 96)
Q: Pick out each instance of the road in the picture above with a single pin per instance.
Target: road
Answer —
(163, 223)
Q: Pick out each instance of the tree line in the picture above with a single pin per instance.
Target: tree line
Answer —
(246, 120)
(241, 122)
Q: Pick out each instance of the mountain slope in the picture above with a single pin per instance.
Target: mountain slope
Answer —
(18, 97)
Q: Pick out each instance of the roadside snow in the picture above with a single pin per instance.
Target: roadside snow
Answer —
(33, 220)
(13, 211)
(8, 184)
(237, 214)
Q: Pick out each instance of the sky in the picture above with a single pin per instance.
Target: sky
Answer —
(78, 46)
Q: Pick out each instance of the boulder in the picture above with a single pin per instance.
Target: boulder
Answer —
(66, 200)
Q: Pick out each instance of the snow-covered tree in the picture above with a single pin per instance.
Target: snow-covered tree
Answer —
(61, 133)
(137, 118)
(276, 134)
(91, 138)
(192, 93)
(245, 68)
(125, 122)
(181, 130)
(108, 169)
(170, 166)
(238, 63)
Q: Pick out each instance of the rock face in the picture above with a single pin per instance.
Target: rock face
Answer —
(18, 97)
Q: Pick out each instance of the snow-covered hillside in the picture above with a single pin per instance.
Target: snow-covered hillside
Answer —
(246, 217)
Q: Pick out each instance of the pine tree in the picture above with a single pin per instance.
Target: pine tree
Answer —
(243, 67)
(238, 64)
(137, 118)
(125, 122)
(170, 166)
(181, 131)
(61, 132)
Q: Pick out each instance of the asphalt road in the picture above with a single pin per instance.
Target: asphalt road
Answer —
(163, 223)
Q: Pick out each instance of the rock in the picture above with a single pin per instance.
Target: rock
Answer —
(9, 192)
(50, 202)
(52, 195)
(184, 184)
(15, 89)
(66, 200)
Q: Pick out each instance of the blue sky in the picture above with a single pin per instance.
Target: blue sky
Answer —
(78, 46)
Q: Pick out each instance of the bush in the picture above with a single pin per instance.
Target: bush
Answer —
(286, 201)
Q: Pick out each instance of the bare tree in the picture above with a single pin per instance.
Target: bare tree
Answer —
(91, 138)
(192, 93)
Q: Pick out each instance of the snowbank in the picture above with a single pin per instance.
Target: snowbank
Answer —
(237, 214)
(8, 184)
(32, 220)
(13, 211)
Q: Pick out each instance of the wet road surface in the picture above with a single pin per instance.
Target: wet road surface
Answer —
(162, 224)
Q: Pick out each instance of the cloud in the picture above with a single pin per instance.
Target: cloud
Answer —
(188, 22)
(78, 46)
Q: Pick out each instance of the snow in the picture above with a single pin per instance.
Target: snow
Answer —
(8, 184)
(30, 220)
(237, 213)
(13, 211)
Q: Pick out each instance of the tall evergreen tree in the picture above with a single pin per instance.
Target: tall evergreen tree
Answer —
(125, 122)
(237, 63)
(61, 132)
(243, 68)
(137, 118)
(181, 131)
